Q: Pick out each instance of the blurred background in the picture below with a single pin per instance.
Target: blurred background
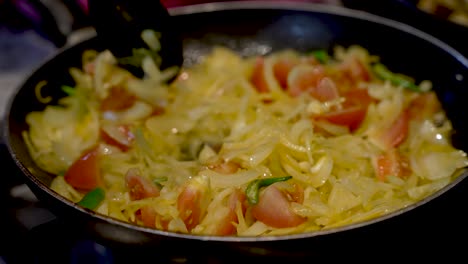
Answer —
(31, 31)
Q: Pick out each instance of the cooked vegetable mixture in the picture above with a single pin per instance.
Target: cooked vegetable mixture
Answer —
(278, 144)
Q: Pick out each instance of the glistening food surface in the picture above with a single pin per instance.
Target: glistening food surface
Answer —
(278, 144)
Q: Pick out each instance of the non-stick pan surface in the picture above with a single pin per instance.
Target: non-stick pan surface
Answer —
(259, 28)
(408, 12)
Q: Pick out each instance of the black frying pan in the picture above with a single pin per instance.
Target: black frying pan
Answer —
(407, 11)
(259, 28)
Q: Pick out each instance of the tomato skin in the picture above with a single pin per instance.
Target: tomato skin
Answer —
(189, 206)
(281, 71)
(84, 174)
(226, 227)
(120, 136)
(307, 82)
(228, 167)
(140, 187)
(354, 109)
(357, 97)
(325, 90)
(117, 100)
(356, 70)
(351, 117)
(310, 80)
(392, 163)
(258, 77)
(148, 216)
(398, 131)
(227, 224)
(351, 72)
(274, 210)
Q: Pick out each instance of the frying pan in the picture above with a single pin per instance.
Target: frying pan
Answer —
(408, 12)
(253, 28)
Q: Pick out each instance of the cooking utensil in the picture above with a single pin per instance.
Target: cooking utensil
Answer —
(259, 28)
(119, 25)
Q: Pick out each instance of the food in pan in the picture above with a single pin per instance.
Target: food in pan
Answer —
(284, 143)
(452, 10)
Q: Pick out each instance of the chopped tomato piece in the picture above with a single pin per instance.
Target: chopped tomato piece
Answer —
(84, 173)
(352, 71)
(237, 197)
(151, 218)
(351, 117)
(325, 90)
(424, 106)
(258, 76)
(281, 71)
(392, 163)
(311, 60)
(140, 187)
(397, 132)
(274, 209)
(118, 135)
(118, 99)
(148, 216)
(161, 223)
(357, 97)
(189, 206)
(227, 224)
(310, 79)
(225, 167)
(354, 109)
(357, 70)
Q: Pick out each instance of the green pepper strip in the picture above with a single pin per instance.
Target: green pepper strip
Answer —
(253, 189)
(68, 89)
(158, 181)
(136, 59)
(93, 198)
(321, 56)
(382, 72)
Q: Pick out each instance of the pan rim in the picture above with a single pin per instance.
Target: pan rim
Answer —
(317, 8)
(240, 5)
